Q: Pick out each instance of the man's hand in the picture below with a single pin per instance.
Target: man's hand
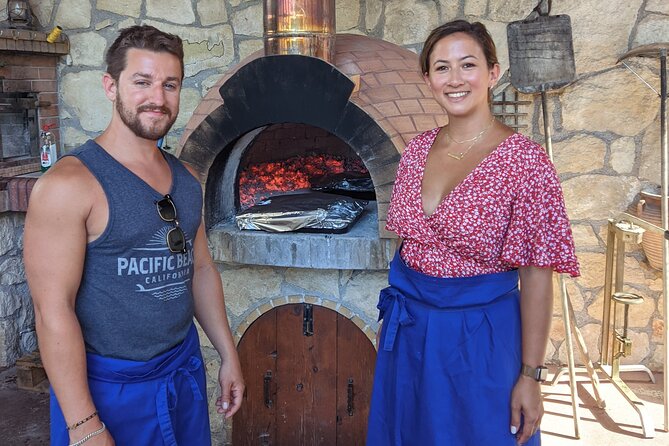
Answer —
(232, 387)
(526, 401)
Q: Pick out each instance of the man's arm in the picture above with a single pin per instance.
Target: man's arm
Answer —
(54, 250)
(210, 313)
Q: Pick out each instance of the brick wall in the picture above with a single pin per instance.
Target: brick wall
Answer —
(34, 73)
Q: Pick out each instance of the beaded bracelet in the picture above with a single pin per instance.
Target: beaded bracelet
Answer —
(79, 423)
(89, 436)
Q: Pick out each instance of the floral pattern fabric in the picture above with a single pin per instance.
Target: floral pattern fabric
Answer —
(508, 212)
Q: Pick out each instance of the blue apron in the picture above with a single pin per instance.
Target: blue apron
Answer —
(449, 356)
(158, 402)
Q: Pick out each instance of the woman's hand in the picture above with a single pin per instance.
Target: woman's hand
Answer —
(526, 404)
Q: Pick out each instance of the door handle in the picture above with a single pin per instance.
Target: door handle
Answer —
(349, 400)
(267, 381)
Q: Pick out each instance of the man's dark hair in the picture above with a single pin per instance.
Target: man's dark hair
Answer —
(142, 37)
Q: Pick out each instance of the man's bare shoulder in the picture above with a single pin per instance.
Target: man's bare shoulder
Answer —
(68, 185)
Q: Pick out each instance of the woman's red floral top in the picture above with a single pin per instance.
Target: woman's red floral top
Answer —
(508, 212)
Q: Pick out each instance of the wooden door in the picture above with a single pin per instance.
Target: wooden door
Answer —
(308, 373)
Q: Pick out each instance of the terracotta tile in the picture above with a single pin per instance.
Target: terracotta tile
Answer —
(408, 91)
(369, 80)
(387, 108)
(373, 65)
(424, 122)
(431, 106)
(371, 110)
(409, 106)
(398, 64)
(350, 68)
(389, 78)
(343, 58)
(409, 136)
(390, 54)
(387, 127)
(403, 124)
(442, 120)
(422, 86)
(398, 142)
(410, 76)
(384, 93)
(366, 55)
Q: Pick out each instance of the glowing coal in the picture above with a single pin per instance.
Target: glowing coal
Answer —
(260, 181)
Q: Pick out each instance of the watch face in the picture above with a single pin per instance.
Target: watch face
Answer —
(542, 374)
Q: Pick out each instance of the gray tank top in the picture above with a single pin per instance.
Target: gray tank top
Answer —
(135, 299)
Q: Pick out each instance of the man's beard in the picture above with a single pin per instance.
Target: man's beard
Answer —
(153, 131)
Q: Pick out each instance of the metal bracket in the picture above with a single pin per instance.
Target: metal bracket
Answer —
(308, 320)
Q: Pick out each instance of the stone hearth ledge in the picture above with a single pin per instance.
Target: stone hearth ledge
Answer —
(358, 249)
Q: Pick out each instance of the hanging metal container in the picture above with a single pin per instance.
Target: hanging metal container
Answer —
(541, 53)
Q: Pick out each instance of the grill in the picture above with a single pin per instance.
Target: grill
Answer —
(19, 130)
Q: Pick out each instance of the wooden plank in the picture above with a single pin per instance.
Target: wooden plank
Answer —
(306, 367)
(255, 424)
(356, 357)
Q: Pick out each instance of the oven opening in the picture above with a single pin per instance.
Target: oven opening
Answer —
(296, 177)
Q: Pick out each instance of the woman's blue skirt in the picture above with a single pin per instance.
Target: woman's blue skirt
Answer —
(449, 356)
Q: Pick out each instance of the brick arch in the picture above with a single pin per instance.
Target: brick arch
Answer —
(240, 329)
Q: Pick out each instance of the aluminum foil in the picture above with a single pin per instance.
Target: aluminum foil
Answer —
(350, 184)
(304, 212)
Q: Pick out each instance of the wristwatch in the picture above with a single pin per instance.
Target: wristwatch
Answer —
(538, 374)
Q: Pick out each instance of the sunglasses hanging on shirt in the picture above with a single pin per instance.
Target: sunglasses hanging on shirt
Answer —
(176, 239)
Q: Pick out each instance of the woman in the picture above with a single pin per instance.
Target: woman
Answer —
(479, 208)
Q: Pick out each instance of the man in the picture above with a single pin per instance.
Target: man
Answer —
(117, 263)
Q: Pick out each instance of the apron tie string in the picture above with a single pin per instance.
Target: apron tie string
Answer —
(391, 299)
(166, 398)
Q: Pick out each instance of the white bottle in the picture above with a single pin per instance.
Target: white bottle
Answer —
(48, 152)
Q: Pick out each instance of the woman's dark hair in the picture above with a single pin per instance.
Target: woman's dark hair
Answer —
(476, 30)
(142, 37)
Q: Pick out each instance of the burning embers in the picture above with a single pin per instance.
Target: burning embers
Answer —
(313, 193)
(260, 181)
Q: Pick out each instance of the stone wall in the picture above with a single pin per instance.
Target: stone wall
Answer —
(605, 125)
(17, 318)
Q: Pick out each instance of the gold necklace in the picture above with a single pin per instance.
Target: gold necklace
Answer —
(474, 140)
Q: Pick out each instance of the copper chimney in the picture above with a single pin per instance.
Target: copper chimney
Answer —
(305, 27)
